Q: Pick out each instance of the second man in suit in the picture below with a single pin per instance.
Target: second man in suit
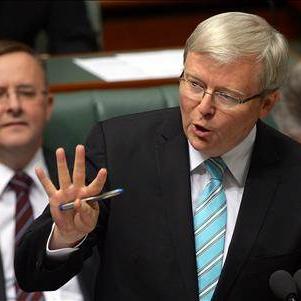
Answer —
(25, 108)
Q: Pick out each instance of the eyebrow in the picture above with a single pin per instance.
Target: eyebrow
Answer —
(219, 89)
(26, 86)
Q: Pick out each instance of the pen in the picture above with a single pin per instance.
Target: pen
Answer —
(99, 197)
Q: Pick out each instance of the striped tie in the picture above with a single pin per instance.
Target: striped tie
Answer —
(21, 183)
(209, 229)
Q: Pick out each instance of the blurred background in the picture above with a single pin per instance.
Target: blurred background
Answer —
(81, 42)
(166, 23)
(85, 26)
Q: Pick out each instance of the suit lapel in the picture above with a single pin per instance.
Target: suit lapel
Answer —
(172, 150)
(260, 186)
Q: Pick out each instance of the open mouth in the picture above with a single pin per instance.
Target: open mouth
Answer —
(201, 128)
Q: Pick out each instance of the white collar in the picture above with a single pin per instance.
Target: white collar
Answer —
(6, 173)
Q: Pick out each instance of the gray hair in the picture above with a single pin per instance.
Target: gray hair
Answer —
(287, 112)
(229, 36)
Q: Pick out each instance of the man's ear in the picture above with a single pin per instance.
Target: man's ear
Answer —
(268, 103)
(50, 101)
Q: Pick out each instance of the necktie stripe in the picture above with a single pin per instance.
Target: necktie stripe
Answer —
(208, 289)
(209, 254)
(210, 220)
(211, 277)
(211, 242)
(211, 264)
(209, 199)
(210, 231)
(21, 183)
(209, 189)
(23, 210)
(218, 167)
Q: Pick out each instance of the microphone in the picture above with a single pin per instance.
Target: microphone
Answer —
(297, 277)
(283, 286)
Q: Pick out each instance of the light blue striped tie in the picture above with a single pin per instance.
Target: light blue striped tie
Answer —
(209, 229)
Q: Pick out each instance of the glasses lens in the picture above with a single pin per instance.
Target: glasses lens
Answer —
(225, 100)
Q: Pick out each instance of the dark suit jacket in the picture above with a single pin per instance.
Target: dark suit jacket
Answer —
(145, 236)
(88, 272)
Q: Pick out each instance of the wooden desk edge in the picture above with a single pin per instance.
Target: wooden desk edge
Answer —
(99, 85)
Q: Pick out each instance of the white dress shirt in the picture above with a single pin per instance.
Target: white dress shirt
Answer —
(237, 161)
(38, 198)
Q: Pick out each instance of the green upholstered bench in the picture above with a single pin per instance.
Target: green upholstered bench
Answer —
(76, 112)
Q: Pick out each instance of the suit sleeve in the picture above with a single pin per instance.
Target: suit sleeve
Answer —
(30, 257)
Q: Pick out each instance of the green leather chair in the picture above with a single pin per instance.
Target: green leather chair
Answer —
(76, 112)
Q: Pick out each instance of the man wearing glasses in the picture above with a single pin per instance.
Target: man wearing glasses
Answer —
(211, 204)
(25, 108)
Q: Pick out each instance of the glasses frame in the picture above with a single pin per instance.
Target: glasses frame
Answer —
(237, 101)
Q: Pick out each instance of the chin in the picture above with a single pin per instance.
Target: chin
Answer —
(205, 148)
(199, 145)
(15, 143)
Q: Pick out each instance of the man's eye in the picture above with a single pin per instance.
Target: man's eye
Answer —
(195, 85)
(26, 93)
(227, 97)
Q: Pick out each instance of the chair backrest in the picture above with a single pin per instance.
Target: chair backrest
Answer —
(76, 112)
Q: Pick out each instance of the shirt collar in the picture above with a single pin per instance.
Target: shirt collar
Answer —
(237, 159)
(6, 173)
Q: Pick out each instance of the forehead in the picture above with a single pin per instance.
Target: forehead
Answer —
(241, 74)
(20, 68)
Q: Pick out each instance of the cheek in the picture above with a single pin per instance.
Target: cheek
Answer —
(235, 127)
(37, 115)
(187, 106)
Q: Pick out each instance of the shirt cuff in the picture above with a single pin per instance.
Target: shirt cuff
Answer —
(61, 254)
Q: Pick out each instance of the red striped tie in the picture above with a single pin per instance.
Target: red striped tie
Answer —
(21, 183)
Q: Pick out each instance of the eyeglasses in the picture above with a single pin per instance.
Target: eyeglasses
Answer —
(22, 93)
(195, 91)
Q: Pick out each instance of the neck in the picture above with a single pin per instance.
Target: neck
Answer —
(17, 158)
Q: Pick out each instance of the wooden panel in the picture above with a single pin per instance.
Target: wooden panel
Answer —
(90, 85)
(129, 25)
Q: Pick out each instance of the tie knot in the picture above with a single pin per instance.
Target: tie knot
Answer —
(216, 167)
(20, 182)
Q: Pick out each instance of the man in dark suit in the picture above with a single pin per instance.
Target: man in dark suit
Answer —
(25, 108)
(211, 205)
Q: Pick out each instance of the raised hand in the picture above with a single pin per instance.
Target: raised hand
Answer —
(72, 225)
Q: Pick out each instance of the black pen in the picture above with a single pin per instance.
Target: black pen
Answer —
(99, 197)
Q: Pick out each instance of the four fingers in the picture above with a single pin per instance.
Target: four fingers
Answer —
(83, 218)
(78, 178)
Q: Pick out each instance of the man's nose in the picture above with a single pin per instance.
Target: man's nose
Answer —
(206, 105)
(12, 101)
